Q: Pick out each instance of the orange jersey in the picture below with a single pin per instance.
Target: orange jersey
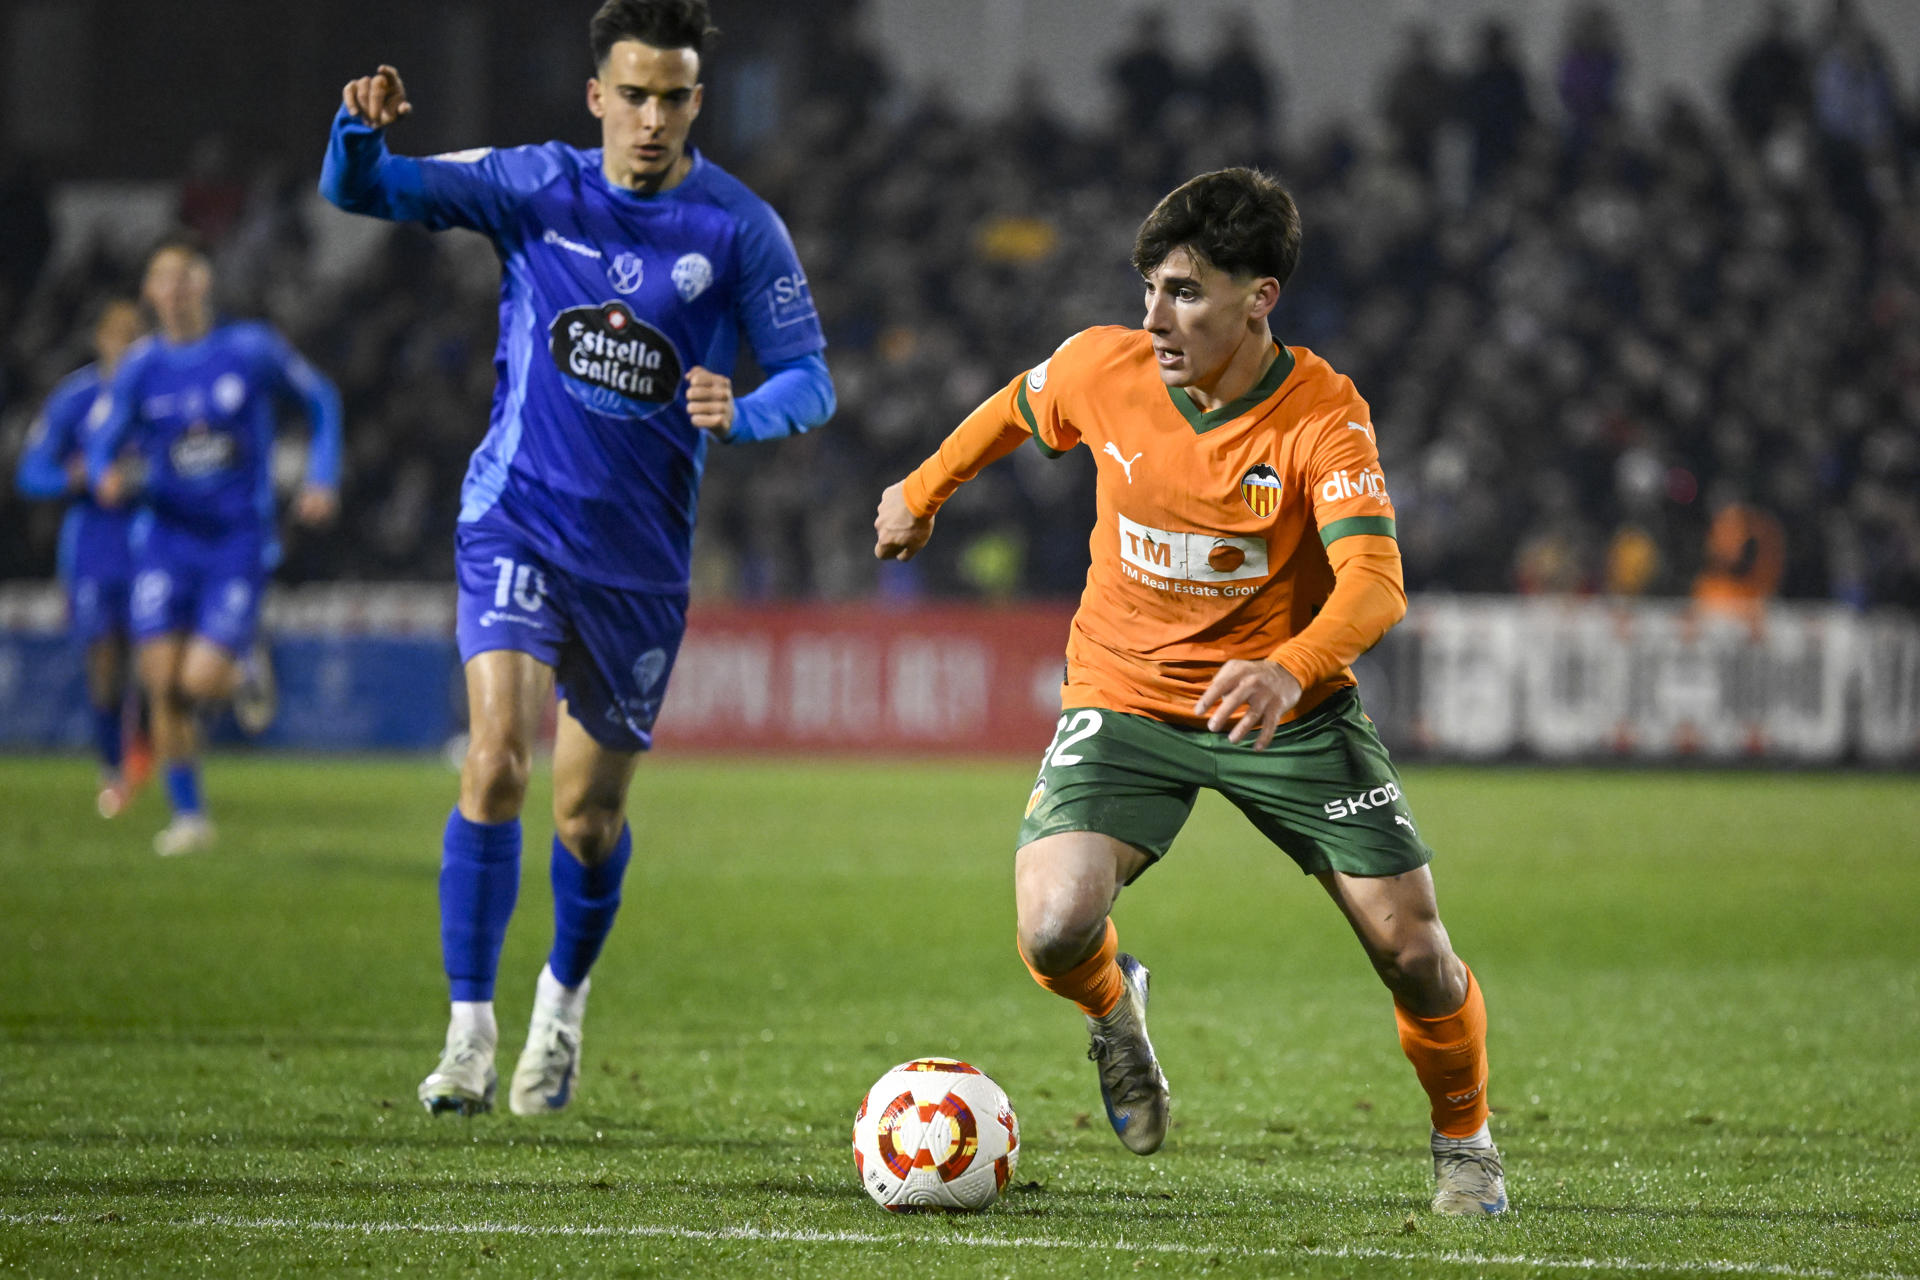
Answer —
(1219, 533)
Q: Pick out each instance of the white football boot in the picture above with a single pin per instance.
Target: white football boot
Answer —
(464, 1081)
(1467, 1180)
(1132, 1086)
(187, 833)
(256, 699)
(549, 1067)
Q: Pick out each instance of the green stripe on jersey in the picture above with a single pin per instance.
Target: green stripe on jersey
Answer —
(1033, 424)
(1381, 526)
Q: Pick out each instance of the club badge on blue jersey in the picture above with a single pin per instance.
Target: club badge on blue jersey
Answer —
(612, 361)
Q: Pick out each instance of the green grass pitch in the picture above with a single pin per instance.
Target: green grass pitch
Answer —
(1704, 991)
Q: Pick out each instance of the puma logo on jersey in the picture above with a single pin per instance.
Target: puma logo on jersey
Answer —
(1361, 427)
(1126, 464)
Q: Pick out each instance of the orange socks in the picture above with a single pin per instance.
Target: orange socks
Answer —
(1449, 1054)
(1094, 984)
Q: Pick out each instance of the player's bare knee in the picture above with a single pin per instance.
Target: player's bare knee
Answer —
(166, 693)
(590, 835)
(1424, 976)
(493, 782)
(1055, 942)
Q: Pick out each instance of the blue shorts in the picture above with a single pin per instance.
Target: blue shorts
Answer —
(611, 649)
(209, 586)
(97, 606)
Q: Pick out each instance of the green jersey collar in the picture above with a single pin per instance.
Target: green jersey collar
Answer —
(1204, 420)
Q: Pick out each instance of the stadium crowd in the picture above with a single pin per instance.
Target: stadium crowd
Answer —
(1607, 351)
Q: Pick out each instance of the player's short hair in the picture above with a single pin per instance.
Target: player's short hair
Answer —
(664, 24)
(1241, 220)
(180, 240)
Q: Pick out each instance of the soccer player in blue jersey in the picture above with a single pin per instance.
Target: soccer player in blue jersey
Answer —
(630, 272)
(96, 559)
(196, 403)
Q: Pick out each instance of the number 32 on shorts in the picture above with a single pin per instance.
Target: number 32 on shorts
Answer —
(1075, 727)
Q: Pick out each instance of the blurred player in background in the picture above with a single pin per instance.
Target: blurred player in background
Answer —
(196, 402)
(96, 559)
(1243, 556)
(630, 272)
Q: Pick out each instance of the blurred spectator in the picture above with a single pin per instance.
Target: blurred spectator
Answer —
(1236, 82)
(26, 233)
(1419, 99)
(1857, 115)
(1588, 76)
(1495, 105)
(1769, 84)
(211, 197)
(1144, 74)
(849, 77)
(1746, 556)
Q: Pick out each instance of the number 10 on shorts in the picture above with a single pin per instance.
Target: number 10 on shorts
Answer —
(524, 584)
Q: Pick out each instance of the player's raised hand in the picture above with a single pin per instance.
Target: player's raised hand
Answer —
(710, 400)
(898, 533)
(1266, 689)
(317, 505)
(378, 99)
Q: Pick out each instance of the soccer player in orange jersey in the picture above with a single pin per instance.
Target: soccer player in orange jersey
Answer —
(1243, 556)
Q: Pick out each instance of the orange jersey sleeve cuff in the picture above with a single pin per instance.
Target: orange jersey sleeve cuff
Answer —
(985, 435)
(1368, 597)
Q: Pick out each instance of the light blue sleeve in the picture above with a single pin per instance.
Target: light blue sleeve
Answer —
(320, 400)
(481, 189)
(43, 464)
(797, 396)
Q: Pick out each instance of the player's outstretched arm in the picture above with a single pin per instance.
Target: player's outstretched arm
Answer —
(46, 469)
(358, 174)
(898, 532)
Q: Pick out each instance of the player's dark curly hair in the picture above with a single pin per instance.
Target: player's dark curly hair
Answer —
(1240, 220)
(664, 24)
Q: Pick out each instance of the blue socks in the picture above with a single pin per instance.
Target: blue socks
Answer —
(479, 882)
(106, 738)
(585, 900)
(183, 787)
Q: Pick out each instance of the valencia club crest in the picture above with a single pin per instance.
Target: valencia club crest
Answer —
(1261, 488)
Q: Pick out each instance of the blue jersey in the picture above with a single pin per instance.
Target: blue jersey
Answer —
(93, 539)
(607, 299)
(202, 415)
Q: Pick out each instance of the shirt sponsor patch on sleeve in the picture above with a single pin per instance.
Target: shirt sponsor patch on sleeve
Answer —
(791, 300)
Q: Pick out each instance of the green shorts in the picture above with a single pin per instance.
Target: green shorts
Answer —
(1324, 791)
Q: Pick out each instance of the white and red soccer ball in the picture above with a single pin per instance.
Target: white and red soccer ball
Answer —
(935, 1133)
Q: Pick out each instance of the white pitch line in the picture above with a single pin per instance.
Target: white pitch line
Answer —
(1709, 1266)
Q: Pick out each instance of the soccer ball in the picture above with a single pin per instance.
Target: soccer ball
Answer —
(935, 1133)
